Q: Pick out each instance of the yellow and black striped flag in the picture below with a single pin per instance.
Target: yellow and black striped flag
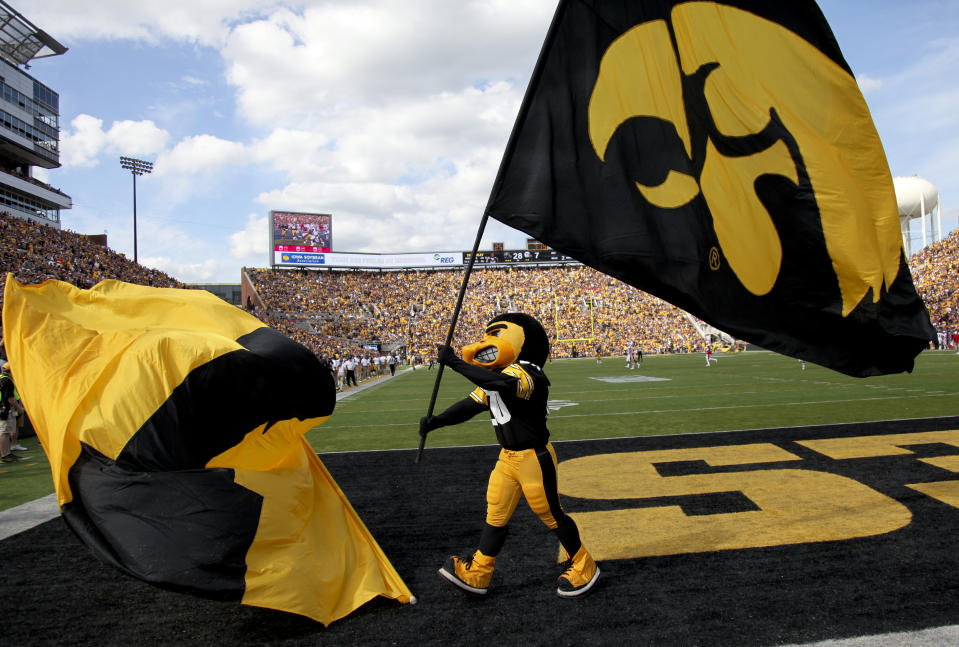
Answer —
(173, 423)
(720, 156)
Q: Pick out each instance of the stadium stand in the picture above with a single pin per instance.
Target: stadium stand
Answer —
(345, 313)
(35, 252)
(580, 308)
(934, 271)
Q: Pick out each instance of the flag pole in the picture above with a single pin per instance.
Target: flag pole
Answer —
(456, 314)
(510, 145)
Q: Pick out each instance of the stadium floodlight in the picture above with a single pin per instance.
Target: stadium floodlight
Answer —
(136, 167)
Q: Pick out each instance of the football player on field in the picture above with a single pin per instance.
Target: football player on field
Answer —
(506, 366)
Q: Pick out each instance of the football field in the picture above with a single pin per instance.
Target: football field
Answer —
(668, 394)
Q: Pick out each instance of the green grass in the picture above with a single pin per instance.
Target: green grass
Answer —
(743, 391)
(28, 478)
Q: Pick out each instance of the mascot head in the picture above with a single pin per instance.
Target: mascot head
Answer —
(509, 338)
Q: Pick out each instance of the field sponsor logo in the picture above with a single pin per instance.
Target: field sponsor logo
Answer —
(296, 258)
(672, 501)
(624, 379)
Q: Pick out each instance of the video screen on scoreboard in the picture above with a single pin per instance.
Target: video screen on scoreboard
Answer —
(301, 232)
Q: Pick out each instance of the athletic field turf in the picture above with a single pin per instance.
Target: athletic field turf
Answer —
(783, 528)
(668, 394)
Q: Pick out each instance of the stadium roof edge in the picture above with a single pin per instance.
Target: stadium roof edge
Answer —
(21, 41)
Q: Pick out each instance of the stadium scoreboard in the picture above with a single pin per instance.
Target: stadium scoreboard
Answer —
(305, 240)
(299, 238)
(519, 257)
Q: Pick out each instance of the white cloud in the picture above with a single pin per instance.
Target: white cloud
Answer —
(150, 21)
(407, 143)
(199, 155)
(252, 243)
(190, 81)
(301, 68)
(198, 165)
(867, 84)
(208, 271)
(86, 140)
(82, 145)
(298, 153)
(137, 137)
(439, 213)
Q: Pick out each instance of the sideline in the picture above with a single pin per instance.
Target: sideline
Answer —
(27, 515)
(948, 635)
(343, 395)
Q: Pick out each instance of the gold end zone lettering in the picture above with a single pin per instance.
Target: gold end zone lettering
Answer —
(892, 445)
(948, 463)
(795, 505)
(879, 445)
(945, 491)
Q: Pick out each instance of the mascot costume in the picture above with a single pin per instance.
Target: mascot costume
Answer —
(506, 366)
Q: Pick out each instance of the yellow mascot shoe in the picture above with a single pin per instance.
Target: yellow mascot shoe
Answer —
(471, 574)
(579, 577)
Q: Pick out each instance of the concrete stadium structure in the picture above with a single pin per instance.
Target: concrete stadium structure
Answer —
(29, 122)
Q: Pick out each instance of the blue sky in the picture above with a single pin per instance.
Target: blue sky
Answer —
(375, 111)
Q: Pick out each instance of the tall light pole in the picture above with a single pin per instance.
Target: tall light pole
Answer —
(136, 167)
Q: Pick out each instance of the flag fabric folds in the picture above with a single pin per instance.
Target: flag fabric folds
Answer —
(719, 155)
(173, 423)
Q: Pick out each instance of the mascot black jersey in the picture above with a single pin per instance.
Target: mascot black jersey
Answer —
(519, 412)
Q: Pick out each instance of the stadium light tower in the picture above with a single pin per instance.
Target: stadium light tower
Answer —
(136, 167)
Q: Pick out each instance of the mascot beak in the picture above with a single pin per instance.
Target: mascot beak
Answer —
(499, 347)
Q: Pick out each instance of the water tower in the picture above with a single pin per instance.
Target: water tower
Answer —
(917, 198)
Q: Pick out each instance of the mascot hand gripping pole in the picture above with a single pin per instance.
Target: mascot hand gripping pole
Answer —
(506, 367)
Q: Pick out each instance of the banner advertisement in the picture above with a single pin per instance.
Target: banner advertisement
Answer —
(371, 261)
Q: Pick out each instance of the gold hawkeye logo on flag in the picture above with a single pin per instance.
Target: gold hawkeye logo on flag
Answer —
(747, 99)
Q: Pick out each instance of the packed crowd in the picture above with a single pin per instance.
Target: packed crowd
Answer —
(934, 271)
(584, 311)
(365, 314)
(35, 253)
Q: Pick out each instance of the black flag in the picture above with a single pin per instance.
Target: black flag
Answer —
(719, 156)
